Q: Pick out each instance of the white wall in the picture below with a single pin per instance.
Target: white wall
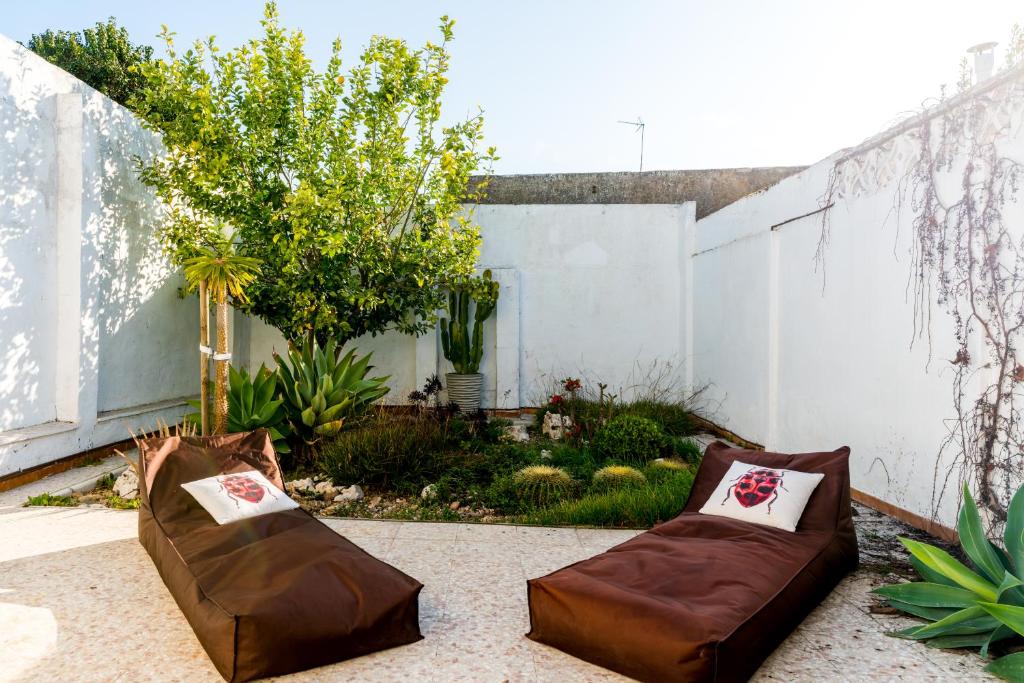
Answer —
(586, 290)
(803, 356)
(93, 336)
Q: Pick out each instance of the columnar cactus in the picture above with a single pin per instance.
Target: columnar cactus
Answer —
(465, 348)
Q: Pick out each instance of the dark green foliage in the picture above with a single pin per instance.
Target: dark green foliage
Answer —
(629, 439)
(462, 345)
(47, 499)
(686, 450)
(388, 450)
(637, 507)
(102, 56)
(106, 481)
(578, 461)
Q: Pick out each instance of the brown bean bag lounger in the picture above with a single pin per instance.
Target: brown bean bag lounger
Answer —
(702, 597)
(266, 595)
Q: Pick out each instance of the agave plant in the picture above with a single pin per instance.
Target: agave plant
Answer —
(253, 403)
(322, 389)
(969, 607)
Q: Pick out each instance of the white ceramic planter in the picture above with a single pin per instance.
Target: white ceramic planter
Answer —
(465, 390)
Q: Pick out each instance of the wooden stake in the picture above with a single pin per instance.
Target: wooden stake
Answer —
(220, 388)
(204, 360)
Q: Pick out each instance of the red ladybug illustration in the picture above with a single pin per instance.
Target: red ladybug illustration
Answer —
(755, 486)
(243, 487)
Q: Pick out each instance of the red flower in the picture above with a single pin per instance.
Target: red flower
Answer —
(556, 399)
(572, 385)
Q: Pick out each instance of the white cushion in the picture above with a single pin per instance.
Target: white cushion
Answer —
(240, 495)
(762, 495)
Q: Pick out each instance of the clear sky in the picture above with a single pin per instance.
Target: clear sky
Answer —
(719, 83)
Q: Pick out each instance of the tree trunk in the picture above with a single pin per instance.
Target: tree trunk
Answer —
(204, 360)
(220, 392)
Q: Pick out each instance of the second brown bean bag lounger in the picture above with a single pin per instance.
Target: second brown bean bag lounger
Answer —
(703, 597)
(267, 595)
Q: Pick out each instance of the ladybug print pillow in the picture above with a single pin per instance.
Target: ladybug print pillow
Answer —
(763, 495)
(239, 495)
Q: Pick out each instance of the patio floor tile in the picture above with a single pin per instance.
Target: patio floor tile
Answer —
(79, 595)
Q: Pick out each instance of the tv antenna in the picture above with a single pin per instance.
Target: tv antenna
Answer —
(638, 126)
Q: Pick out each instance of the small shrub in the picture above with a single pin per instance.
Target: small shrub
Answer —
(542, 485)
(629, 439)
(577, 461)
(636, 507)
(673, 418)
(490, 431)
(617, 477)
(502, 494)
(388, 450)
(49, 500)
(687, 450)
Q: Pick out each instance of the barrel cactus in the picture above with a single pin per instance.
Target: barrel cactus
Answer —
(618, 476)
(542, 485)
(670, 464)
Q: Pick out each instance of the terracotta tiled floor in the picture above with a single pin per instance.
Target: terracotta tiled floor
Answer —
(79, 599)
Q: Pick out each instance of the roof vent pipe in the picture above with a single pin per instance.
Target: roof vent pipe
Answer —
(984, 60)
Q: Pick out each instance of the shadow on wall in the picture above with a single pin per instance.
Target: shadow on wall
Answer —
(145, 334)
(28, 303)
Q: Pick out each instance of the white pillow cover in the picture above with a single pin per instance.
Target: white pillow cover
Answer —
(240, 495)
(762, 495)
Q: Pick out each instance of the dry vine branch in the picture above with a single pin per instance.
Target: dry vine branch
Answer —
(968, 262)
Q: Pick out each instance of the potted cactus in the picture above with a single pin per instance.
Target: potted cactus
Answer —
(473, 300)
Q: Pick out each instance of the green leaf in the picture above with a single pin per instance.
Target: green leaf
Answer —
(966, 621)
(944, 563)
(954, 642)
(1010, 667)
(1002, 633)
(309, 417)
(1011, 615)
(1009, 582)
(1013, 535)
(929, 574)
(928, 595)
(974, 542)
(929, 613)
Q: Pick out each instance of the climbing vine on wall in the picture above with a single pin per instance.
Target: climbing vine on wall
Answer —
(950, 170)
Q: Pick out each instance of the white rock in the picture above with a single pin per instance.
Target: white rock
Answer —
(545, 454)
(516, 433)
(326, 490)
(555, 425)
(127, 485)
(429, 492)
(299, 486)
(349, 494)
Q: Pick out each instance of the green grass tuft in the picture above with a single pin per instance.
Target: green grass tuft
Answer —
(49, 500)
(637, 507)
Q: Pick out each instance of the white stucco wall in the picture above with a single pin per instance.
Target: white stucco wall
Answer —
(94, 337)
(593, 291)
(802, 356)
